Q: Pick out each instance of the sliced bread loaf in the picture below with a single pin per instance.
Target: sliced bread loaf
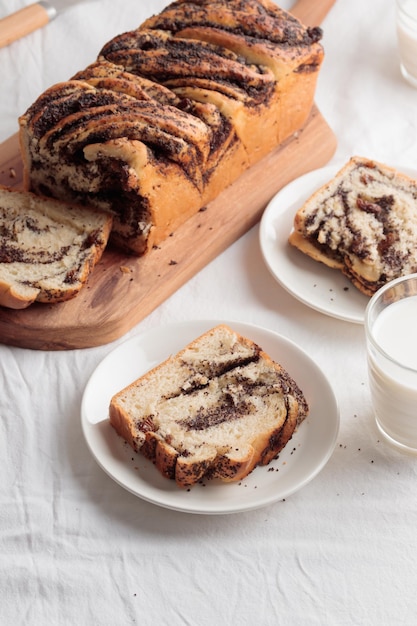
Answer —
(47, 247)
(171, 113)
(216, 409)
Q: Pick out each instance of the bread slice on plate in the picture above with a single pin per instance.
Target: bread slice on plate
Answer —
(47, 247)
(362, 222)
(217, 409)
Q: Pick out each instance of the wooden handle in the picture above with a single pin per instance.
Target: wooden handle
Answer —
(311, 12)
(22, 23)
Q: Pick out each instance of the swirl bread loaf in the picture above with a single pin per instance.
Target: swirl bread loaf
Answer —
(172, 113)
(362, 222)
(216, 409)
(47, 247)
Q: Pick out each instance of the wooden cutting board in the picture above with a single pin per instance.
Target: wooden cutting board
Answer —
(123, 290)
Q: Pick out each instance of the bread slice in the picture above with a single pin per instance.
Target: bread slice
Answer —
(362, 222)
(217, 409)
(47, 247)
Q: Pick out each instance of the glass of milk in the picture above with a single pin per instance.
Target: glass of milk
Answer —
(407, 39)
(391, 339)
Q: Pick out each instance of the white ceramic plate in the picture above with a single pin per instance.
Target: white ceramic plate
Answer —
(302, 459)
(316, 285)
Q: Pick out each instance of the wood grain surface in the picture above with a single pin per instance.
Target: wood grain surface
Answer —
(123, 290)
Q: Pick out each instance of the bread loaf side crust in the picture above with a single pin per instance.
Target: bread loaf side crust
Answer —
(205, 415)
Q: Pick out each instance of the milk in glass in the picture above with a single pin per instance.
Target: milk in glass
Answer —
(392, 360)
(407, 38)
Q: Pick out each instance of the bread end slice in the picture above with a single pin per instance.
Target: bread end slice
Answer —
(47, 247)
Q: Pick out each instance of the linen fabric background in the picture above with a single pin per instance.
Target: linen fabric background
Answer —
(75, 547)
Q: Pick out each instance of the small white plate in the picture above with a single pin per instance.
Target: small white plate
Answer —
(320, 287)
(302, 459)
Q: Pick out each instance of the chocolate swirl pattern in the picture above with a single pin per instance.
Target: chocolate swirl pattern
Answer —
(217, 409)
(363, 222)
(172, 61)
(171, 113)
(261, 22)
(46, 252)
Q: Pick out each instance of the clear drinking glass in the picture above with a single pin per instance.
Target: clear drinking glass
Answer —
(407, 39)
(391, 339)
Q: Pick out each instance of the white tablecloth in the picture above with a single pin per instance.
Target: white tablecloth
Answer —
(76, 548)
